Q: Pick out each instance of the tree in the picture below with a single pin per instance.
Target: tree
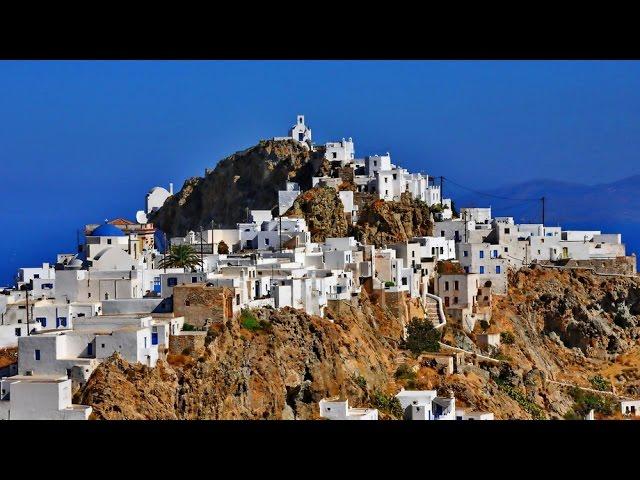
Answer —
(223, 248)
(422, 336)
(181, 256)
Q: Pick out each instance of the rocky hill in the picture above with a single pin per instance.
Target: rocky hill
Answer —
(249, 179)
(558, 326)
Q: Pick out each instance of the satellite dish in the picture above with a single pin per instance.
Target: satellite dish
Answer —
(141, 216)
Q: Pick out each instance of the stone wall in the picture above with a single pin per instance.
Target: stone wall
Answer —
(197, 303)
(619, 265)
(192, 342)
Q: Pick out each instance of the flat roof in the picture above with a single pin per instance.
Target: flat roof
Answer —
(36, 378)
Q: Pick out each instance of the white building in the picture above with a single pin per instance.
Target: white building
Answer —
(337, 409)
(286, 198)
(630, 407)
(342, 151)
(426, 405)
(298, 132)
(39, 398)
(462, 414)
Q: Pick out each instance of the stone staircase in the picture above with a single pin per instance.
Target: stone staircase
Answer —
(431, 310)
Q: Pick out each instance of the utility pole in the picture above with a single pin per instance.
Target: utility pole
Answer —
(441, 188)
(280, 231)
(26, 294)
(201, 250)
(465, 226)
(166, 246)
(542, 199)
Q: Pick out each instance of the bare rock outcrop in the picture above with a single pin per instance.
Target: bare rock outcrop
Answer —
(322, 209)
(244, 181)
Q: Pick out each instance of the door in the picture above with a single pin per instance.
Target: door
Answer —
(446, 301)
(154, 338)
(90, 349)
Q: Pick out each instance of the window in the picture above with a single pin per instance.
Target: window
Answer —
(89, 295)
(145, 342)
(441, 250)
(456, 285)
(413, 253)
(507, 230)
(481, 269)
(37, 354)
(42, 320)
(386, 179)
(465, 253)
(108, 241)
(172, 281)
(335, 155)
(497, 268)
(446, 286)
(194, 279)
(61, 321)
(103, 345)
(455, 300)
(394, 176)
(466, 269)
(442, 233)
(37, 275)
(481, 254)
(266, 241)
(506, 249)
(187, 303)
(495, 253)
(375, 163)
(238, 299)
(433, 250)
(404, 280)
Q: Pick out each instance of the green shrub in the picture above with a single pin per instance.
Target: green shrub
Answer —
(507, 338)
(187, 327)
(403, 372)
(422, 336)
(248, 320)
(360, 381)
(530, 407)
(387, 403)
(484, 325)
(389, 284)
(586, 401)
(600, 383)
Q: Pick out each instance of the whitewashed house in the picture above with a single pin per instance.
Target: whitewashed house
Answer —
(39, 398)
(338, 409)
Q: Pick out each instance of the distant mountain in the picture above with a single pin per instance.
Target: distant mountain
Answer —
(615, 203)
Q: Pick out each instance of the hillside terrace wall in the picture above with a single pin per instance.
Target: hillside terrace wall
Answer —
(191, 342)
(618, 265)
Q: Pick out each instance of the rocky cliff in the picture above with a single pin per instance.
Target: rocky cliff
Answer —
(322, 209)
(277, 371)
(251, 179)
(570, 327)
(244, 181)
(383, 222)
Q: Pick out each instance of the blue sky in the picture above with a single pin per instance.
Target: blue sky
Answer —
(84, 141)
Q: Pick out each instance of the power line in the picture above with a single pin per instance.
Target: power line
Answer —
(489, 194)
